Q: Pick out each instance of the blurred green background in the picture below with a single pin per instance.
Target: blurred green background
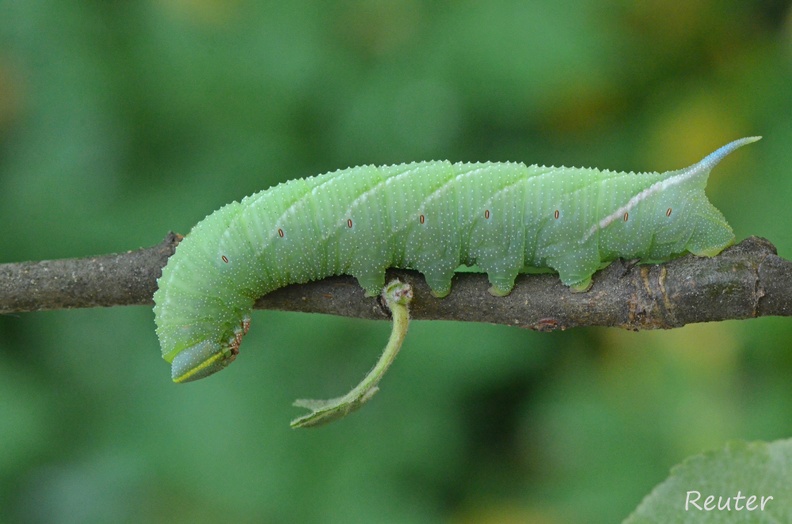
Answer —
(120, 121)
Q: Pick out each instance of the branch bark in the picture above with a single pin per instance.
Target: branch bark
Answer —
(745, 281)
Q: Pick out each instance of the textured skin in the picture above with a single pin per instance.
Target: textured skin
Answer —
(428, 216)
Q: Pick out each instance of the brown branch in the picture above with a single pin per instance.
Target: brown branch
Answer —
(120, 279)
(745, 281)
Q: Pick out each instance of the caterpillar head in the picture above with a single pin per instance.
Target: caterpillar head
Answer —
(208, 356)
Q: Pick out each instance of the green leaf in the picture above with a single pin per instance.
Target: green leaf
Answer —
(732, 476)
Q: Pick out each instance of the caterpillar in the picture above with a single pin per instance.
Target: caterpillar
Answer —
(503, 217)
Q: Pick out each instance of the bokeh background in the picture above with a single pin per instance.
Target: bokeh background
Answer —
(120, 121)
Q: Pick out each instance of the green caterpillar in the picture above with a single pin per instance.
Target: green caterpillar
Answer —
(505, 218)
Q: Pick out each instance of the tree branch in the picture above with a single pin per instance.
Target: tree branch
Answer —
(745, 281)
(120, 279)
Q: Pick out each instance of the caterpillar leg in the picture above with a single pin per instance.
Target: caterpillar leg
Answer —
(397, 296)
(582, 286)
(501, 284)
(439, 281)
